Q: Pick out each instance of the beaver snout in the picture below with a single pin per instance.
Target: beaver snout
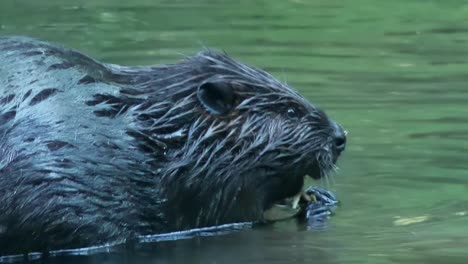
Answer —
(339, 137)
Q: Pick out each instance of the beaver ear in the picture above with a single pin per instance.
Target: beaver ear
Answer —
(217, 97)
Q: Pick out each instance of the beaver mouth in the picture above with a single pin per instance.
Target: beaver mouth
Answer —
(293, 201)
(315, 172)
(290, 205)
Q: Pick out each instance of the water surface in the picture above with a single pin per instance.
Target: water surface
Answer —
(394, 73)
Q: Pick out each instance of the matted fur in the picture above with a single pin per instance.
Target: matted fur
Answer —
(93, 152)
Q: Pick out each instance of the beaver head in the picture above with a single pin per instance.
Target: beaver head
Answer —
(229, 140)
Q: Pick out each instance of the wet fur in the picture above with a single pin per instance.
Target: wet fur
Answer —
(92, 152)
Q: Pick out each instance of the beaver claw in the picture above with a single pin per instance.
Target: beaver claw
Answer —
(314, 205)
(318, 204)
(322, 196)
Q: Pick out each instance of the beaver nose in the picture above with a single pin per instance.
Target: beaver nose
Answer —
(339, 137)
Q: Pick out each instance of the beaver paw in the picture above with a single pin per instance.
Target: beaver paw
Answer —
(317, 205)
(314, 205)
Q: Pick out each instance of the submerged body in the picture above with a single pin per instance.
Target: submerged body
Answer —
(93, 152)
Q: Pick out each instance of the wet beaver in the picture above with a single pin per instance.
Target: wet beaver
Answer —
(93, 152)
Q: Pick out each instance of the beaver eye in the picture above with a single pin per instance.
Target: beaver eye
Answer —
(292, 112)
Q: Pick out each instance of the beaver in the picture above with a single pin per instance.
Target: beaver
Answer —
(93, 152)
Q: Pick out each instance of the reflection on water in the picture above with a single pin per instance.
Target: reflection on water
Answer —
(119, 246)
(394, 73)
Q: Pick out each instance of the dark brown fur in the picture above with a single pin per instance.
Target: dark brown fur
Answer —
(93, 152)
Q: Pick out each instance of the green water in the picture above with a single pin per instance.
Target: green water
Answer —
(394, 73)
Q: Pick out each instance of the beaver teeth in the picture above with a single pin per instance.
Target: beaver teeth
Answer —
(287, 208)
(295, 200)
(302, 195)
